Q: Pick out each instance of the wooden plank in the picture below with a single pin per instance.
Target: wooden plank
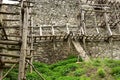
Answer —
(24, 23)
(11, 20)
(95, 24)
(80, 50)
(40, 28)
(7, 42)
(10, 61)
(107, 24)
(13, 55)
(67, 27)
(9, 13)
(83, 21)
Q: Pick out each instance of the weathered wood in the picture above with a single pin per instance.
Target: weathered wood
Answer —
(83, 21)
(80, 50)
(9, 13)
(23, 53)
(10, 61)
(95, 23)
(40, 31)
(36, 70)
(12, 55)
(11, 20)
(1, 73)
(8, 71)
(107, 24)
(7, 42)
(67, 27)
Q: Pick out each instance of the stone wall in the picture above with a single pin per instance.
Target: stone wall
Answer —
(56, 11)
(59, 12)
(50, 52)
(104, 50)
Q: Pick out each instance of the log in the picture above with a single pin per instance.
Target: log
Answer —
(23, 54)
(80, 50)
(7, 42)
(13, 55)
(9, 61)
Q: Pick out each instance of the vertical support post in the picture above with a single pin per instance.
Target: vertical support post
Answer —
(111, 46)
(1, 73)
(107, 24)
(40, 28)
(117, 17)
(67, 26)
(95, 23)
(83, 21)
(24, 24)
(53, 31)
(31, 51)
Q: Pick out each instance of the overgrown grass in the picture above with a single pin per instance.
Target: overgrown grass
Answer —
(97, 69)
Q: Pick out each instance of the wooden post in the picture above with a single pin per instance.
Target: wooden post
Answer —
(1, 69)
(24, 22)
(95, 23)
(67, 26)
(1, 73)
(53, 31)
(107, 24)
(31, 51)
(40, 30)
(83, 21)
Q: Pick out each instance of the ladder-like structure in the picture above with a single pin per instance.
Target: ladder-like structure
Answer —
(99, 20)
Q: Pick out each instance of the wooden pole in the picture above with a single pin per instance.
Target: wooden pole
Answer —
(31, 51)
(1, 73)
(36, 70)
(24, 22)
(83, 21)
(8, 72)
(95, 23)
(107, 24)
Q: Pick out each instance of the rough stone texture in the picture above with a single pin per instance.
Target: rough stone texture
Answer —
(56, 11)
(104, 50)
(60, 12)
(50, 54)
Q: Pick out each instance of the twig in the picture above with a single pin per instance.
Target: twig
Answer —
(8, 71)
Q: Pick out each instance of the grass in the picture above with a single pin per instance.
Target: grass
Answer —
(97, 69)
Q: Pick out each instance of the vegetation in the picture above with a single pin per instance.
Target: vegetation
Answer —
(70, 70)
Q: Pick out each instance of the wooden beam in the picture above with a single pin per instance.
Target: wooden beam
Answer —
(1, 73)
(107, 24)
(10, 61)
(12, 55)
(24, 23)
(7, 42)
(8, 71)
(95, 24)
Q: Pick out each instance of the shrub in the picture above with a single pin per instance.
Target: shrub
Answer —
(101, 73)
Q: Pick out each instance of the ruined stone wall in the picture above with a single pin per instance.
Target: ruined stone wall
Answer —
(50, 53)
(60, 12)
(56, 11)
(104, 50)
